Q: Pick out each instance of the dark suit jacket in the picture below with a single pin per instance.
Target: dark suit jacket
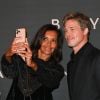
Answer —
(84, 74)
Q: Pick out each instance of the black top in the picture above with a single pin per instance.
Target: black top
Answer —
(84, 74)
(37, 84)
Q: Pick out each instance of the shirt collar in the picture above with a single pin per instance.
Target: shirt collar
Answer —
(81, 51)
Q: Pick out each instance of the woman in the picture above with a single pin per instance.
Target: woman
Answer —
(40, 73)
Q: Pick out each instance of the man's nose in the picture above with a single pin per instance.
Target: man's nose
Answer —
(67, 33)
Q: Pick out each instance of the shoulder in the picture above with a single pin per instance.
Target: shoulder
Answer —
(95, 54)
(94, 51)
(48, 64)
(56, 66)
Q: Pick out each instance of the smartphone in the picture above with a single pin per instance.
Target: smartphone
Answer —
(21, 37)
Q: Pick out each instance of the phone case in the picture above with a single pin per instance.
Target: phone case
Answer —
(21, 37)
(21, 34)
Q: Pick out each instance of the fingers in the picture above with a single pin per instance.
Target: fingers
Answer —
(26, 54)
(27, 46)
(20, 48)
(26, 40)
(14, 41)
(17, 46)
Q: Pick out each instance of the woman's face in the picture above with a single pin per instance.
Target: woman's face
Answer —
(48, 45)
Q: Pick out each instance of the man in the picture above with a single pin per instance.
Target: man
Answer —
(84, 66)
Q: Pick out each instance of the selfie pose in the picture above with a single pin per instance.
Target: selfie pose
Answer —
(35, 70)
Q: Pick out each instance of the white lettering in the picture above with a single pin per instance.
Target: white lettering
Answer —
(1, 75)
(56, 22)
(65, 73)
(94, 23)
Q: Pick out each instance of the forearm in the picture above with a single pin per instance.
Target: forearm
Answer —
(8, 55)
(8, 58)
(8, 68)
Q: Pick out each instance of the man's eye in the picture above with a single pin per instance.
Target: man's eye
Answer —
(54, 41)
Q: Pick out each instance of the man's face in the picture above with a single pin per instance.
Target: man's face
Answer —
(74, 34)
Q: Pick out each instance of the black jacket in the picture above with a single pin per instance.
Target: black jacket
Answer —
(84, 74)
(29, 84)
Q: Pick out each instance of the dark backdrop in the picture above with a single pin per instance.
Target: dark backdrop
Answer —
(32, 14)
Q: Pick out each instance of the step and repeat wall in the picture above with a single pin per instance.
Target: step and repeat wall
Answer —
(32, 14)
